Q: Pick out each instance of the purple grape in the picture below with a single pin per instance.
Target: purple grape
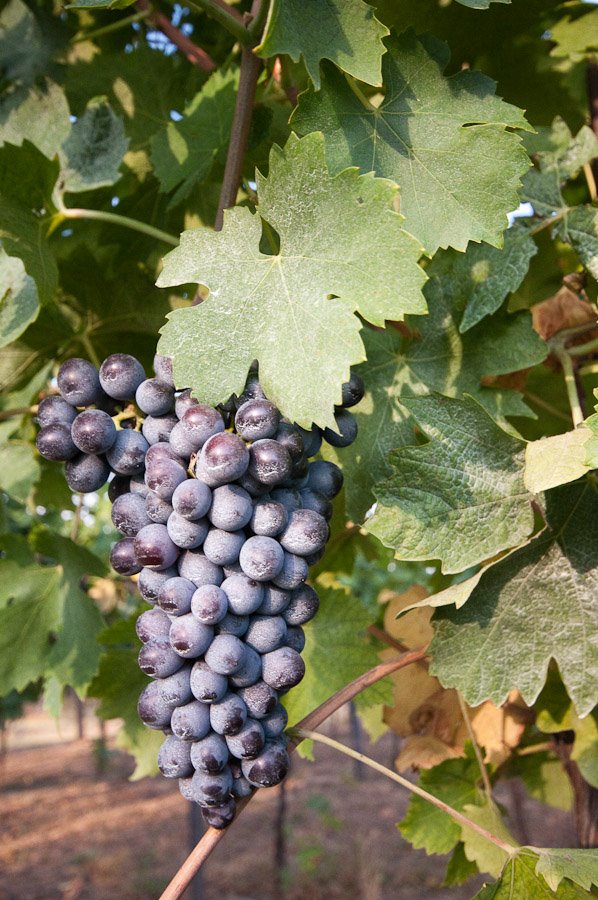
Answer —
(231, 507)
(54, 410)
(290, 437)
(347, 429)
(121, 375)
(93, 431)
(248, 742)
(312, 440)
(210, 754)
(269, 768)
(275, 722)
(129, 514)
(118, 486)
(293, 573)
(303, 606)
(137, 485)
(233, 624)
(224, 457)
(287, 497)
(176, 689)
(158, 428)
(163, 369)
(191, 722)
(79, 383)
(282, 668)
(250, 671)
(154, 397)
(180, 442)
(154, 548)
(126, 456)
(253, 487)
(157, 658)
(150, 582)
(261, 558)
(223, 547)
(162, 450)
(174, 758)
(189, 637)
(244, 594)
(201, 422)
(317, 503)
(209, 604)
(207, 686)
(183, 402)
(123, 558)
(268, 518)
(163, 476)
(266, 633)
(228, 715)
(325, 478)
(306, 532)
(295, 638)
(154, 711)
(174, 596)
(353, 391)
(226, 654)
(192, 499)
(257, 419)
(185, 534)
(157, 510)
(195, 566)
(269, 462)
(220, 816)
(55, 443)
(153, 623)
(259, 698)
(212, 790)
(275, 601)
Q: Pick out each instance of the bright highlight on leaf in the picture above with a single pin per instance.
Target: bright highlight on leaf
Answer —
(278, 308)
(343, 31)
(444, 141)
(460, 498)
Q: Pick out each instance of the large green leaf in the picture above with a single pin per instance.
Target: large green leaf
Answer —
(520, 879)
(344, 31)
(337, 650)
(48, 625)
(444, 141)
(19, 302)
(183, 152)
(39, 114)
(576, 36)
(452, 781)
(537, 604)
(580, 866)
(22, 234)
(92, 153)
(460, 498)
(437, 358)
(276, 308)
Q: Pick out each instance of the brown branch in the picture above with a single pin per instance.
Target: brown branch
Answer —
(213, 836)
(194, 54)
(249, 73)
(386, 638)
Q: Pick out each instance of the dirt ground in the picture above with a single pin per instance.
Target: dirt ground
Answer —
(67, 833)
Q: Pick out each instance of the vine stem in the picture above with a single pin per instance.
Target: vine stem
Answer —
(101, 215)
(93, 356)
(571, 386)
(18, 411)
(476, 746)
(583, 349)
(195, 55)
(213, 836)
(112, 26)
(414, 788)
(239, 135)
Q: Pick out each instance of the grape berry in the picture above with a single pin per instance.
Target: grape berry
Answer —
(221, 513)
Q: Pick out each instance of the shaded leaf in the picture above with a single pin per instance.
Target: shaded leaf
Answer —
(92, 153)
(343, 31)
(275, 308)
(19, 302)
(550, 587)
(486, 855)
(457, 183)
(36, 114)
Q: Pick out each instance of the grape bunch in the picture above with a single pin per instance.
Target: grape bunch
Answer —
(221, 513)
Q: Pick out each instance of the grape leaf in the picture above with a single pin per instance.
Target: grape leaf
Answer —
(575, 36)
(580, 228)
(459, 868)
(555, 713)
(454, 782)
(556, 460)
(92, 153)
(19, 302)
(22, 235)
(580, 866)
(336, 651)
(23, 49)
(39, 114)
(551, 586)
(117, 686)
(442, 140)
(437, 358)
(48, 624)
(486, 276)
(544, 778)
(486, 855)
(275, 308)
(19, 468)
(557, 148)
(460, 498)
(344, 31)
(183, 152)
(519, 879)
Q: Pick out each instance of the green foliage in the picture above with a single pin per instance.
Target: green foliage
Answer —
(461, 497)
(457, 183)
(257, 296)
(377, 237)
